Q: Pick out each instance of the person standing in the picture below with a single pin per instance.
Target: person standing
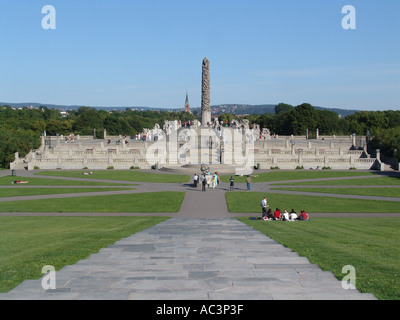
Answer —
(232, 184)
(264, 206)
(195, 180)
(204, 182)
(215, 180)
(248, 181)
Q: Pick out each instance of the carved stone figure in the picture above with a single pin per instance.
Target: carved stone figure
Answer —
(166, 127)
(265, 134)
(204, 169)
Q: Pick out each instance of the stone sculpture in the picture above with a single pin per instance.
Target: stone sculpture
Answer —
(205, 94)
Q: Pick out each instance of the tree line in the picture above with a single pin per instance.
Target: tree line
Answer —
(20, 129)
(383, 127)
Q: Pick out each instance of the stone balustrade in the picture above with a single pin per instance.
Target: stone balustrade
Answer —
(291, 152)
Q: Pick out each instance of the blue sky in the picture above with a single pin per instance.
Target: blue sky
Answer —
(150, 52)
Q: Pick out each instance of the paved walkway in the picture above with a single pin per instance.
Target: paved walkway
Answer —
(202, 253)
(192, 259)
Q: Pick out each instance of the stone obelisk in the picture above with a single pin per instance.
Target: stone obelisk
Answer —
(205, 95)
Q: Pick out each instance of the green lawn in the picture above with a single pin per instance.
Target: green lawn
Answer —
(380, 192)
(137, 202)
(278, 175)
(33, 181)
(132, 175)
(370, 245)
(26, 191)
(29, 243)
(249, 202)
(377, 181)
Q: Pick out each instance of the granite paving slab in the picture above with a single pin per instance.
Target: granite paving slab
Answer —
(191, 259)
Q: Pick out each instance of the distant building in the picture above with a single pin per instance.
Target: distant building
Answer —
(187, 108)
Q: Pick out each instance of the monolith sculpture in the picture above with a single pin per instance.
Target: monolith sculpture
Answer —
(205, 95)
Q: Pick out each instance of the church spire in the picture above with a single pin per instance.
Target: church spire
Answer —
(187, 108)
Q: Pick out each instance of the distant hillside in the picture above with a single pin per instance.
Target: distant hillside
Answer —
(73, 107)
(237, 109)
(342, 112)
(242, 109)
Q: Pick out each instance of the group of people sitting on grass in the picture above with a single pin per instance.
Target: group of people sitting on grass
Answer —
(285, 216)
(268, 215)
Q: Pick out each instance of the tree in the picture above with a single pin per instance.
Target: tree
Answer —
(55, 127)
(117, 126)
(303, 117)
(387, 140)
(224, 117)
(38, 126)
(266, 120)
(328, 122)
(16, 140)
(87, 120)
(283, 107)
(51, 113)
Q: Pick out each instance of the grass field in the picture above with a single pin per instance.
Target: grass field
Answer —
(249, 202)
(33, 181)
(380, 192)
(29, 243)
(26, 191)
(376, 181)
(132, 175)
(295, 175)
(370, 245)
(137, 202)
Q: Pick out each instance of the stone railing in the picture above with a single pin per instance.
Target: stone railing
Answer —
(285, 153)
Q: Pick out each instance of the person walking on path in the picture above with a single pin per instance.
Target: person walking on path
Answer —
(232, 184)
(248, 181)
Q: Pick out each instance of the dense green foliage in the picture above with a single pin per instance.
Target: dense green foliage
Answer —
(20, 129)
(295, 120)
